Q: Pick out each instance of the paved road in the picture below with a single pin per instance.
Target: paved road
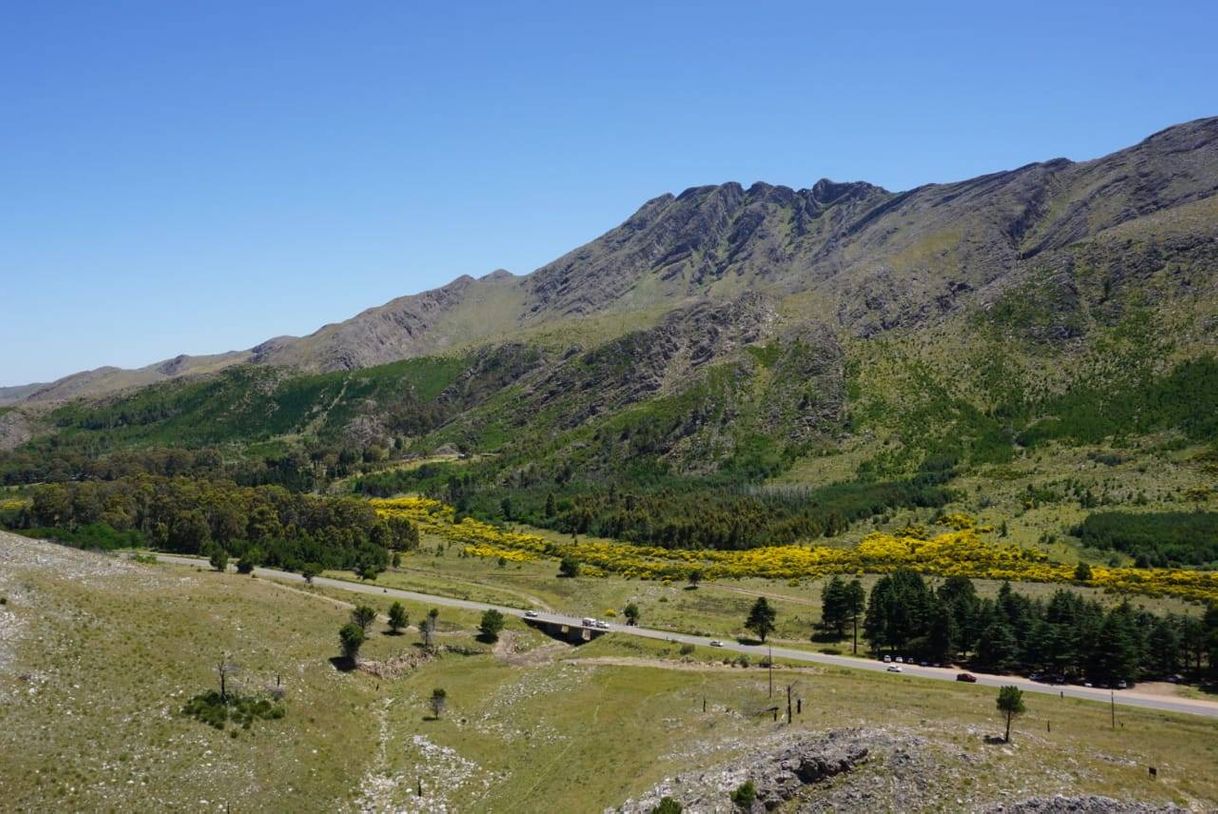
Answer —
(1130, 698)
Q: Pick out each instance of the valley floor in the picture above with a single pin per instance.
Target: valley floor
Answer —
(98, 654)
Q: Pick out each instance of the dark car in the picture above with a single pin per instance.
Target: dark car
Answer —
(969, 677)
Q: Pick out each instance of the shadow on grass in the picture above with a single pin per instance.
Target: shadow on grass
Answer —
(749, 642)
(343, 664)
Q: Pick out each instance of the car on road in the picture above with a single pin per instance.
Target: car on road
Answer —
(967, 677)
(530, 614)
(894, 668)
(716, 643)
(601, 625)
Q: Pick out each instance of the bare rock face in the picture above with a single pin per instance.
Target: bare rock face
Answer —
(779, 772)
(645, 363)
(15, 430)
(804, 764)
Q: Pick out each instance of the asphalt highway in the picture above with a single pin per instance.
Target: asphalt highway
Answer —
(1128, 698)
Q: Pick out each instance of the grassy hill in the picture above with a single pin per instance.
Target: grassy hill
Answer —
(106, 652)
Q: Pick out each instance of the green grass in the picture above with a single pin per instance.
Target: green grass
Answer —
(716, 608)
(112, 658)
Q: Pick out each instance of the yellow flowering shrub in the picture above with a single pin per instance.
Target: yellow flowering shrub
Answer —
(958, 552)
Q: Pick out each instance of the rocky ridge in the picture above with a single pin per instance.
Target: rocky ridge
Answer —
(865, 260)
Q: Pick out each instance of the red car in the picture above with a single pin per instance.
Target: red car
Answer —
(969, 677)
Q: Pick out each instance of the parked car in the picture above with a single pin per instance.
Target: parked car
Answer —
(716, 643)
(530, 614)
(894, 668)
(967, 677)
(899, 660)
(887, 659)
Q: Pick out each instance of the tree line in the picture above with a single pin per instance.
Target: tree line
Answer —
(1154, 539)
(685, 513)
(265, 524)
(1066, 636)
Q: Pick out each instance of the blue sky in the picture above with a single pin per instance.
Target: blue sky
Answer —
(193, 178)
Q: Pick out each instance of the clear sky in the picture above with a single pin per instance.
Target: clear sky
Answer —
(198, 177)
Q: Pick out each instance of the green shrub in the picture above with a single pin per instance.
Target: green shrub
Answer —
(744, 796)
(215, 710)
(667, 806)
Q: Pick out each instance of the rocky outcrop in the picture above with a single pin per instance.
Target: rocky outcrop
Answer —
(779, 772)
(15, 430)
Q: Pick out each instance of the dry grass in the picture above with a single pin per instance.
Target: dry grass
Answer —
(103, 662)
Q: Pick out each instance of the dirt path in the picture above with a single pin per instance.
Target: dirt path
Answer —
(532, 600)
(689, 667)
(794, 600)
(505, 651)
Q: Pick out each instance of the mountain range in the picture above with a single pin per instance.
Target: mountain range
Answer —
(730, 327)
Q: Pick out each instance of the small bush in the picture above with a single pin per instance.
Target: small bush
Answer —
(744, 796)
(214, 710)
(686, 649)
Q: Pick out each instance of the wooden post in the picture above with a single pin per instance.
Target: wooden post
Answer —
(799, 706)
(771, 659)
(1112, 693)
(789, 719)
(704, 703)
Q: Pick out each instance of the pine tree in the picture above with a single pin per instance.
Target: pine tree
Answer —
(835, 610)
(1010, 703)
(761, 618)
(398, 618)
(998, 648)
(856, 603)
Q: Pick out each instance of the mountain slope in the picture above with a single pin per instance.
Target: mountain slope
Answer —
(865, 259)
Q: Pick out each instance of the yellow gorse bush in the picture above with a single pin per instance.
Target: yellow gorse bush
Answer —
(13, 504)
(960, 551)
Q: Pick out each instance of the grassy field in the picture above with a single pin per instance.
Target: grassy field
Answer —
(714, 608)
(97, 656)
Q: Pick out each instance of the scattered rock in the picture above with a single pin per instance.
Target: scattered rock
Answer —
(780, 771)
(1085, 804)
